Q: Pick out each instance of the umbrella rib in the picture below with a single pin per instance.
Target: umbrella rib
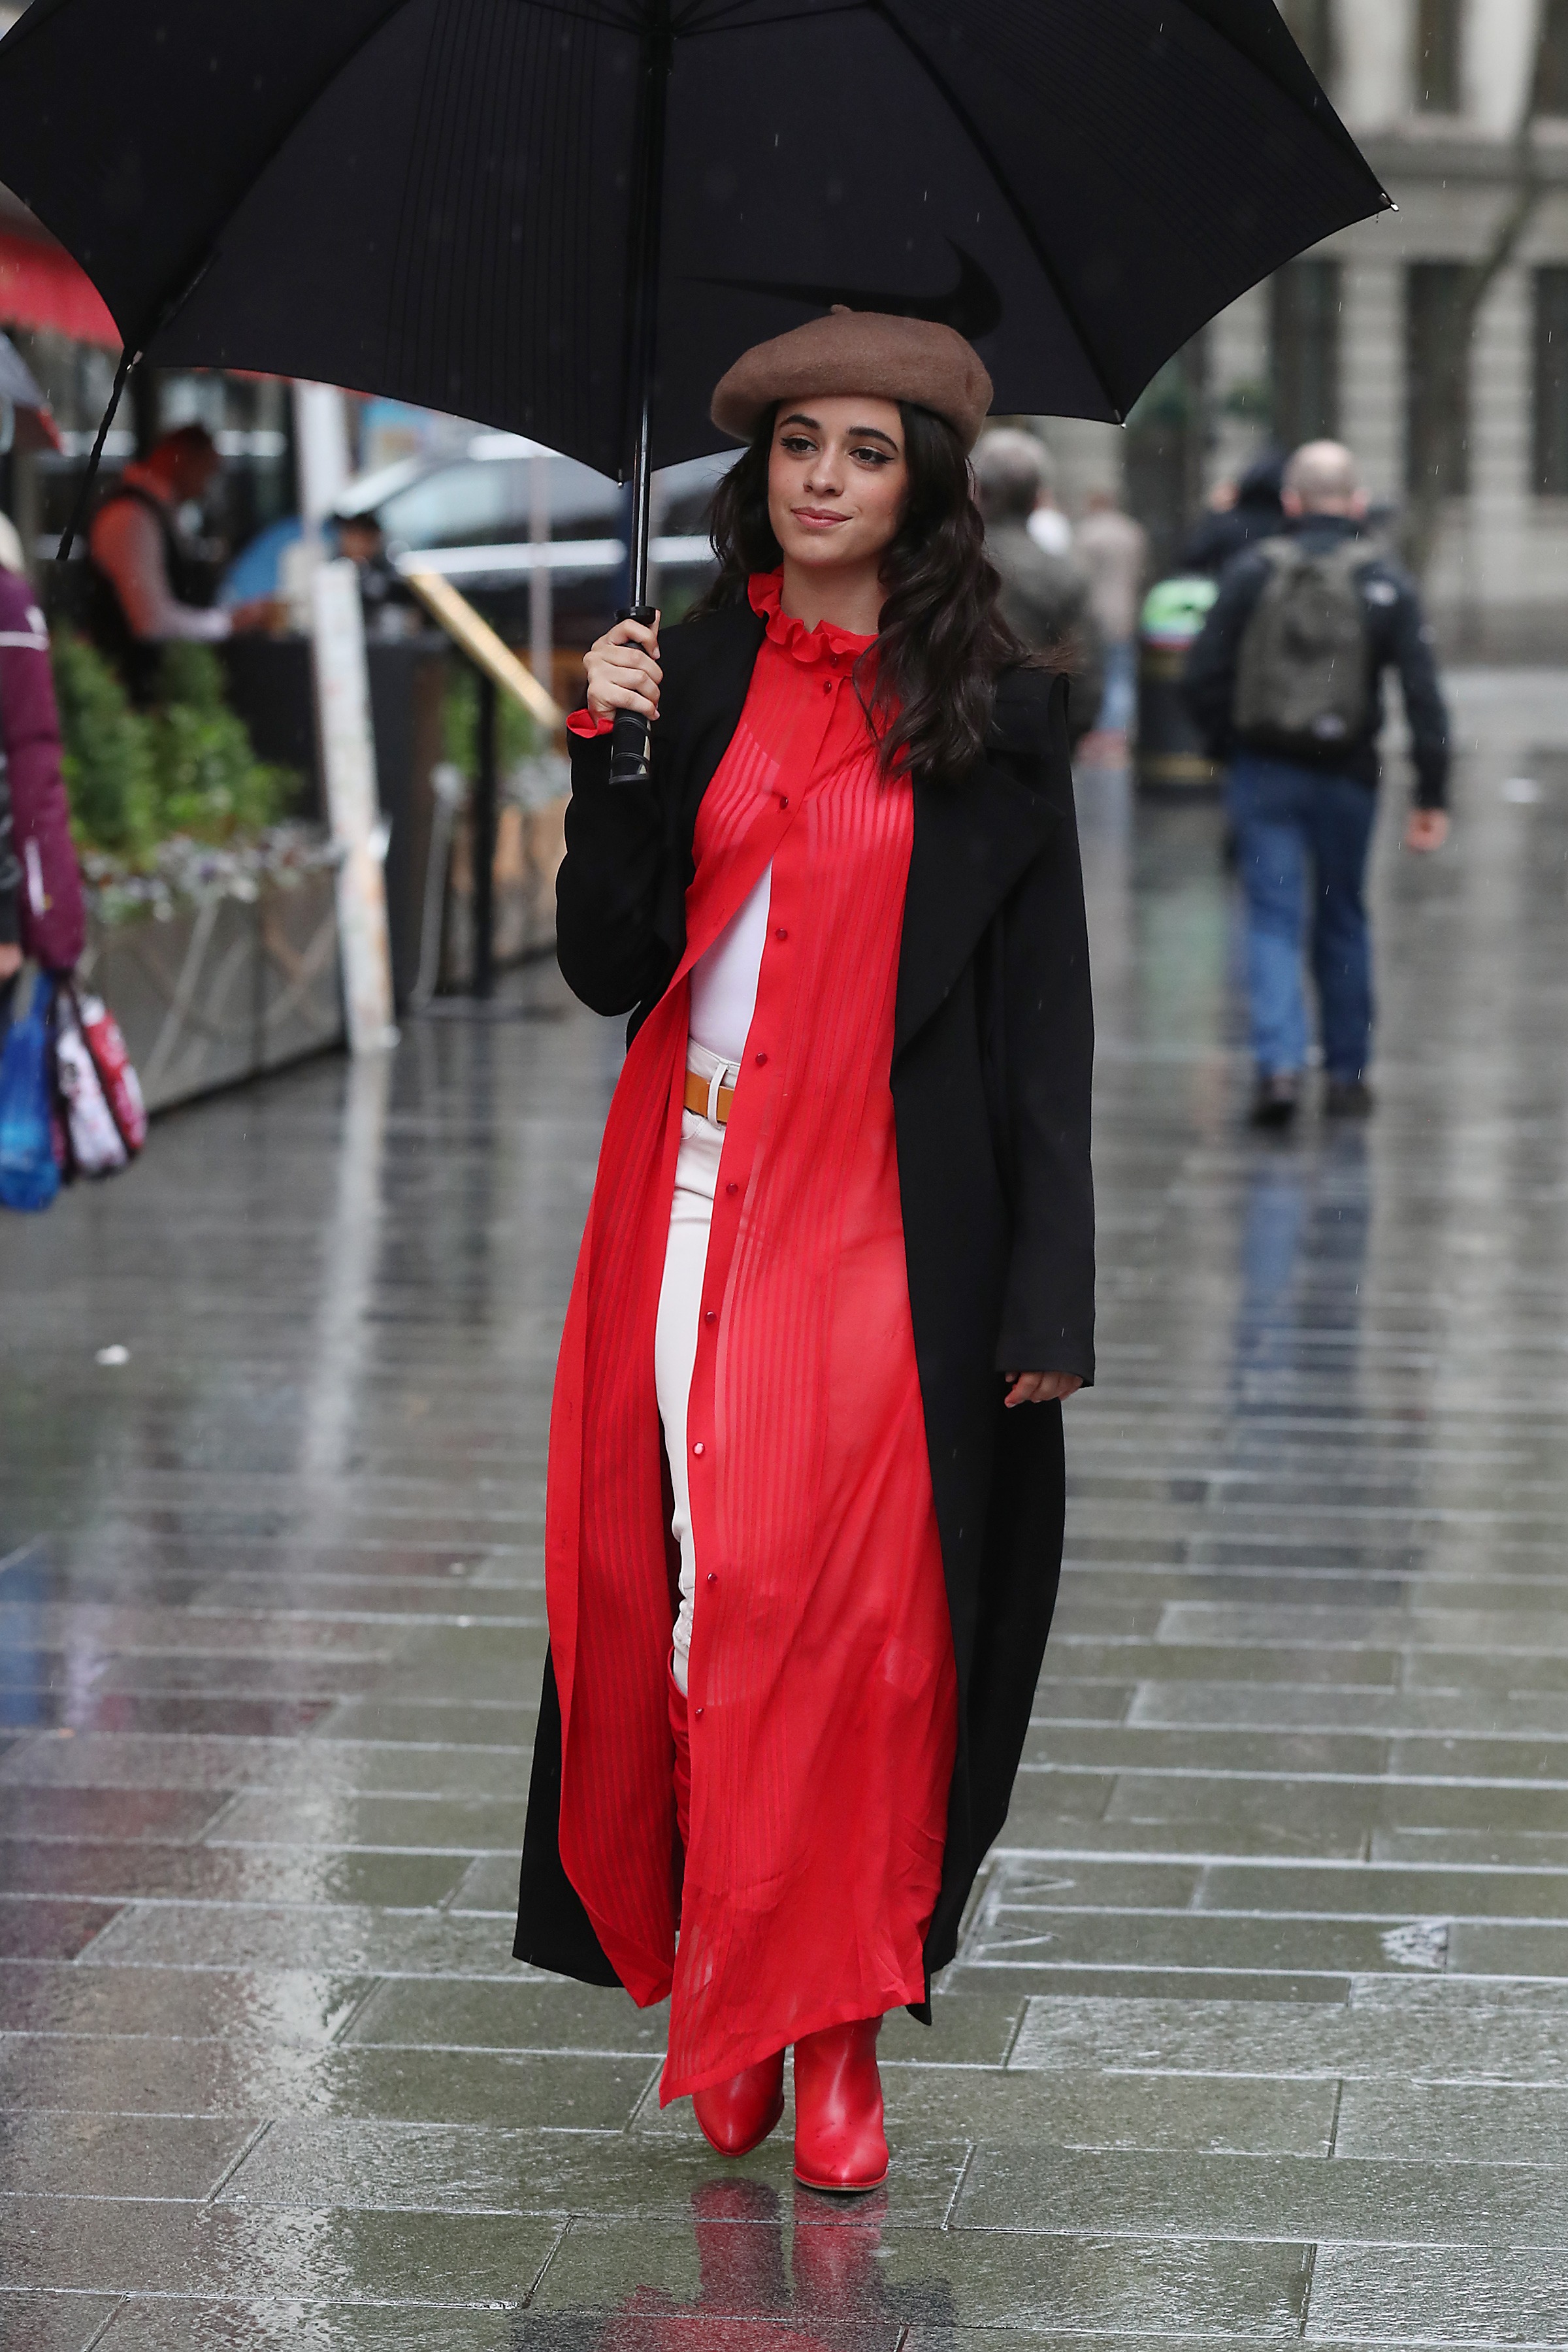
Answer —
(713, 20)
(983, 150)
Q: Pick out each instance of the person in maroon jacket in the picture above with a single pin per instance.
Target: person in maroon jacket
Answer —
(50, 921)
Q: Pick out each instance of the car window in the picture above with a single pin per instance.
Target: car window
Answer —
(474, 501)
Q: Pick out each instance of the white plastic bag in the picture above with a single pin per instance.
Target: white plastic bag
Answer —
(97, 1146)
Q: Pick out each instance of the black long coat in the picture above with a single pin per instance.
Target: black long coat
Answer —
(992, 1052)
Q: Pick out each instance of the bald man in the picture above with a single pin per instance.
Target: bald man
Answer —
(1286, 683)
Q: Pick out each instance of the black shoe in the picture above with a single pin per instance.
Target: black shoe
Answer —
(1348, 1098)
(1275, 1102)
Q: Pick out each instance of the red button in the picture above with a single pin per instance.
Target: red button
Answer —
(784, 799)
(828, 686)
(761, 1059)
(697, 1447)
(700, 1715)
(729, 1188)
(711, 1315)
(713, 1576)
(781, 933)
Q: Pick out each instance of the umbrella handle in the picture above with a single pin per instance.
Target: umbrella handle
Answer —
(629, 759)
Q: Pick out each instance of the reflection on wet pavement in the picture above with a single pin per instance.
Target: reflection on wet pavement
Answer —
(1260, 2028)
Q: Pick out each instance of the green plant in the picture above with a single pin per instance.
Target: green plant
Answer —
(517, 736)
(211, 784)
(108, 769)
(185, 767)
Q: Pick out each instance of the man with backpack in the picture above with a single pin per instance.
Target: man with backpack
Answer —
(1286, 683)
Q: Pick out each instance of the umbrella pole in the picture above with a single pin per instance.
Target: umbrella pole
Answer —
(128, 358)
(629, 762)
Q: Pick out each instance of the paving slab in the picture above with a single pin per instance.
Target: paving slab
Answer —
(53, 2323)
(1301, 2040)
(1372, 2202)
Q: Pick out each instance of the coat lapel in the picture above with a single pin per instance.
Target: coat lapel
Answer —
(972, 842)
(704, 700)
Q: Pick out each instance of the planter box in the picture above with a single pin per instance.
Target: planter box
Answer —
(224, 990)
(530, 845)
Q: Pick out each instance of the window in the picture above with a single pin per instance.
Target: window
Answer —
(1437, 27)
(1437, 379)
(1552, 87)
(1552, 383)
(1304, 352)
(1311, 25)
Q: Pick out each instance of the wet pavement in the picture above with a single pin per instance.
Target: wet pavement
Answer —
(1260, 2029)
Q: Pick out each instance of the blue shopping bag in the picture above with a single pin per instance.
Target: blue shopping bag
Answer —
(29, 1178)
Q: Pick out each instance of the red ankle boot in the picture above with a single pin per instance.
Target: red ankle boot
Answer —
(737, 2115)
(838, 2137)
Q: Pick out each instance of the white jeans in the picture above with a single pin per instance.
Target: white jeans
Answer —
(679, 1313)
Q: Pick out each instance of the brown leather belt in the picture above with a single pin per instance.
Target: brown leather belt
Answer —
(697, 1092)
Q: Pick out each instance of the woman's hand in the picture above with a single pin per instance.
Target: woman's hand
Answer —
(1041, 1388)
(10, 960)
(622, 670)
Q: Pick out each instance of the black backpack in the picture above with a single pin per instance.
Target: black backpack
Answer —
(1303, 683)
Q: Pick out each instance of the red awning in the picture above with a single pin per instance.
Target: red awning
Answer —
(41, 285)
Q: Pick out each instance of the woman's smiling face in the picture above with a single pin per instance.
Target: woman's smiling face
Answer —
(837, 479)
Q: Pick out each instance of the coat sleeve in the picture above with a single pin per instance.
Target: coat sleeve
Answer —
(1425, 708)
(1048, 1316)
(608, 891)
(54, 922)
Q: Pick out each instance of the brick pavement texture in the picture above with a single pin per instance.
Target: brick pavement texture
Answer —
(1259, 2031)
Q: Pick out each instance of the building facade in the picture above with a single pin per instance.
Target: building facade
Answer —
(1360, 340)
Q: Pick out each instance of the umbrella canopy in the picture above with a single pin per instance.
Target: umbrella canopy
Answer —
(449, 200)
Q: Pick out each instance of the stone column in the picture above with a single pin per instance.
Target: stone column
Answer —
(1374, 46)
(1496, 60)
(1372, 371)
(1492, 562)
(1238, 364)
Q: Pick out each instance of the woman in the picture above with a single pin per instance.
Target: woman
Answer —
(41, 910)
(803, 1537)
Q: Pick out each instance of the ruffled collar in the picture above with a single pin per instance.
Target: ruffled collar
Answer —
(787, 630)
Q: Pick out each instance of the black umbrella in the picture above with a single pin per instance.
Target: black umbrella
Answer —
(566, 218)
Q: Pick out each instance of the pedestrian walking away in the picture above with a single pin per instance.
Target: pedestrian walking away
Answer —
(1242, 513)
(1113, 550)
(806, 1484)
(1286, 681)
(1045, 598)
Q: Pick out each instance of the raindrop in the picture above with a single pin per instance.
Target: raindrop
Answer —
(113, 1356)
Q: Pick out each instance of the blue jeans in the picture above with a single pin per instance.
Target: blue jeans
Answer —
(1302, 836)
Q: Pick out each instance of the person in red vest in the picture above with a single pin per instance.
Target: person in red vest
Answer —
(42, 914)
(806, 1484)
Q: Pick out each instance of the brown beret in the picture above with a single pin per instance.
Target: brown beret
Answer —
(870, 352)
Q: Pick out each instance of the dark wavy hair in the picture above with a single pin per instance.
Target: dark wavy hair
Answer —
(942, 643)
